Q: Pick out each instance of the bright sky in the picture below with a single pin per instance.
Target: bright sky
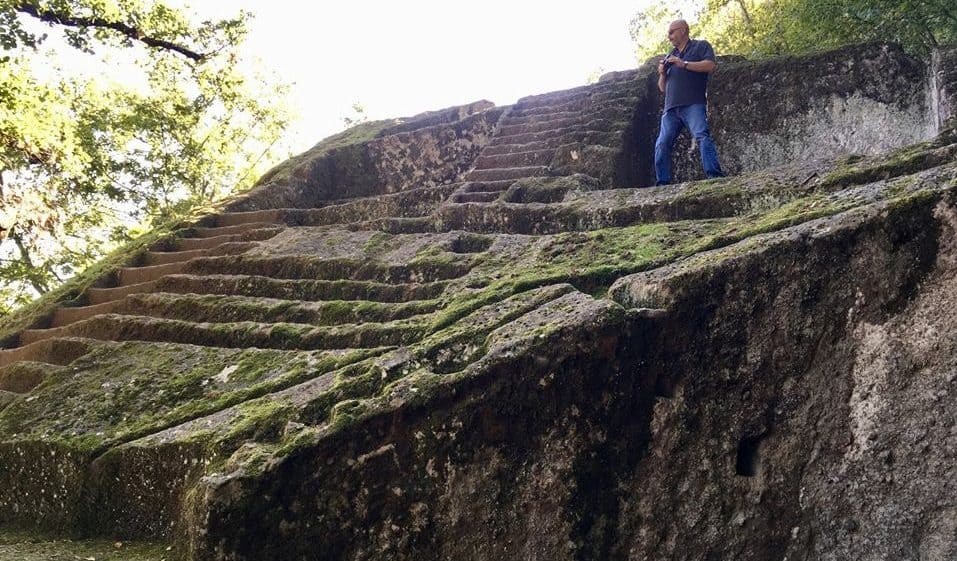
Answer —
(399, 58)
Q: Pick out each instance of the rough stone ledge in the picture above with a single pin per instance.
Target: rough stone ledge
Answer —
(664, 287)
(240, 514)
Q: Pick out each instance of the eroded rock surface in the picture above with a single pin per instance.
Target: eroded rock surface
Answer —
(473, 334)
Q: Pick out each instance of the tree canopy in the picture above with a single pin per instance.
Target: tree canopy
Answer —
(759, 28)
(114, 115)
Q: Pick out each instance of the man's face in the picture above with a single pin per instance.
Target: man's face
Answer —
(677, 33)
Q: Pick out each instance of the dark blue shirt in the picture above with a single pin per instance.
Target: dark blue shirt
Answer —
(684, 87)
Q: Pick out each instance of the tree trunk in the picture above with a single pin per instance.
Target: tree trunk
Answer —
(33, 277)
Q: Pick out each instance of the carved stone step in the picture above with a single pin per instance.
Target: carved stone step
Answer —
(286, 289)
(516, 159)
(21, 377)
(524, 128)
(67, 315)
(476, 197)
(189, 244)
(614, 95)
(555, 107)
(504, 148)
(118, 327)
(487, 186)
(52, 351)
(216, 308)
(495, 174)
(137, 275)
(596, 96)
(554, 135)
(600, 132)
(539, 117)
(272, 216)
(421, 225)
(101, 295)
(572, 94)
(334, 268)
(414, 203)
(611, 112)
(213, 231)
(165, 257)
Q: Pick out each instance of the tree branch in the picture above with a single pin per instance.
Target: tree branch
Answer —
(51, 16)
(32, 274)
(744, 11)
(3, 229)
(940, 10)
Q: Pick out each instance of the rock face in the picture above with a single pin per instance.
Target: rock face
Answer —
(863, 100)
(473, 334)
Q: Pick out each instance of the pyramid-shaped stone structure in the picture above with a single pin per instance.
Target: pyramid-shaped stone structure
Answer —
(477, 333)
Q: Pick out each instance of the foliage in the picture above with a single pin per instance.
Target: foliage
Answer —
(358, 116)
(648, 30)
(86, 161)
(774, 27)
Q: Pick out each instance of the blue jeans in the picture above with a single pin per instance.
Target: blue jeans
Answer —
(694, 117)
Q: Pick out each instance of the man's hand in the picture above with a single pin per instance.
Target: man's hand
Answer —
(672, 59)
(661, 68)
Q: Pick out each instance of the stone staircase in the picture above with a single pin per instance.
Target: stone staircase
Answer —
(261, 356)
(533, 130)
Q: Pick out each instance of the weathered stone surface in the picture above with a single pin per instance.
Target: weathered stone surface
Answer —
(865, 100)
(796, 408)
(373, 356)
(943, 86)
(380, 159)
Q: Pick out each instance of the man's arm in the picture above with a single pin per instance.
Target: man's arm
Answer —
(661, 76)
(703, 66)
(705, 63)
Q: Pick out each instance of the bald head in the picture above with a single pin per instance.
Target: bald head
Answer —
(678, 33)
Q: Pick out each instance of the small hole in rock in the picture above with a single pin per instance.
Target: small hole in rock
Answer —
(664, 387)
(749, 456)
(470, 244)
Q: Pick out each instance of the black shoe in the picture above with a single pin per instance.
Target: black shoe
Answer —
(716, 175)
(662, 183)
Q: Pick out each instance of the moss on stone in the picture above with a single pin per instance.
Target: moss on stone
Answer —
(362, 132)
(120, 399)
(905, 161)
(119, 394)
(726, 188)
(28, 545)
(592, 260)
(260, 420)
(548, 189)
(378, 243)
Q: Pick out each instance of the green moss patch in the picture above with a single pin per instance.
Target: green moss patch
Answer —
(133, 389)
(904, 161)
(24, 546)
(592, 260)
(362, 132)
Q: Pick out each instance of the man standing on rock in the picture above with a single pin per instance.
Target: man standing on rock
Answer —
(683, 78)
